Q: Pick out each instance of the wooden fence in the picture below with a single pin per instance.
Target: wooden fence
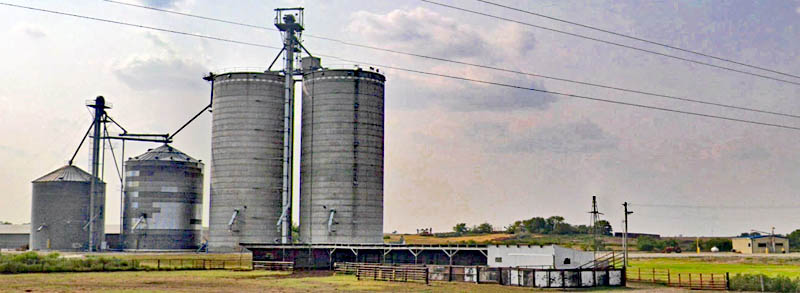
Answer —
(392, 273)
(195, 264)
(693, 281)
(273, 265)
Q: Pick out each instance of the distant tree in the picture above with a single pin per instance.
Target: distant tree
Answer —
(5, 223)
(460, 228)
(536, 225)
(484, 228)
(671, 242)
(723, 244)
(604, 228)
(794, 238)
(563, 228)
(515, 228)
(553, 221)
(582, 229)
(645, 243)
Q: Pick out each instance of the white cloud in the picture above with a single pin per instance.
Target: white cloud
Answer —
(30, 30)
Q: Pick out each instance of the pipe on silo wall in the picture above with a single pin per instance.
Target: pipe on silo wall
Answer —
(341, 163)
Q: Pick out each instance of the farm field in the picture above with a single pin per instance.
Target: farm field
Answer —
(231, 281)
(739, 265)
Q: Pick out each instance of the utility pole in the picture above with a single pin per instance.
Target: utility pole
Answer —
(595, 217)
(625, 235)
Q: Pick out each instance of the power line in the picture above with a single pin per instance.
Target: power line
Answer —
(687, 206)
(425, 72)
(693, 100)
(609, 42)
(636, 38)
(140, 26)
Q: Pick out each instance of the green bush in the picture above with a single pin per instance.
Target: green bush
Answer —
(747, 282)
(724, 244)
(31, 262)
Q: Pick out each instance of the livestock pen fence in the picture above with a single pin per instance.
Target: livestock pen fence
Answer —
(693, 281)
(522, 277)
(196, 263)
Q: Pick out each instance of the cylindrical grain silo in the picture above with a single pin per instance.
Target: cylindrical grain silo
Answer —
(341, 165)
(246, 159)
(163, 201)
(60, 210)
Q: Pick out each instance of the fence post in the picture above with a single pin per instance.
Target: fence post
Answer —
(679, 280)
(477, 275)
(449, 273)
(761, 278)
(727, 281)
(159, 264)
(669, 278)
(701, 280)
(654, 275)
(690, 280)
(426, 275)
(640, 274)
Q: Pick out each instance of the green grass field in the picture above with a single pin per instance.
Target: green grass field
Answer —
(788, 268)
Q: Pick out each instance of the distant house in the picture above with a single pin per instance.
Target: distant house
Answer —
(760, 244)
(636, 235)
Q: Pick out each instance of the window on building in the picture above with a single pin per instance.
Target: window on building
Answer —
(762, 245)
(567, 261)
(748, 244)
(498, 259)
(778, 244)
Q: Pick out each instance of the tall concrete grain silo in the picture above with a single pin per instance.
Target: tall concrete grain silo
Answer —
(60, 210)
(246, 159)
(163, 201)
(341, 168)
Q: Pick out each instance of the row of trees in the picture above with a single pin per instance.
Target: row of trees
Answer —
(461, 229)
(556, 225)
(537, 225)
(645, 243)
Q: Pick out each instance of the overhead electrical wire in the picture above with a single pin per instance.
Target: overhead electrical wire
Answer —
(139, 26)
(636, 38)
(642, 92)
(423, 72)
(609, 42)
(687, 206)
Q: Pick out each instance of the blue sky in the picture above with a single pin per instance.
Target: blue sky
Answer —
(455, 151)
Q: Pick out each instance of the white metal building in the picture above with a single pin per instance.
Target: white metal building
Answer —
(536, 256)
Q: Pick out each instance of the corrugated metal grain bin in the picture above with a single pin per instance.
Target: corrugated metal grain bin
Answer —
(60, 210)
(163, 201)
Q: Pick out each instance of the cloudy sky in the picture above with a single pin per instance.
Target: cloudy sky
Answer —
(455, 151)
